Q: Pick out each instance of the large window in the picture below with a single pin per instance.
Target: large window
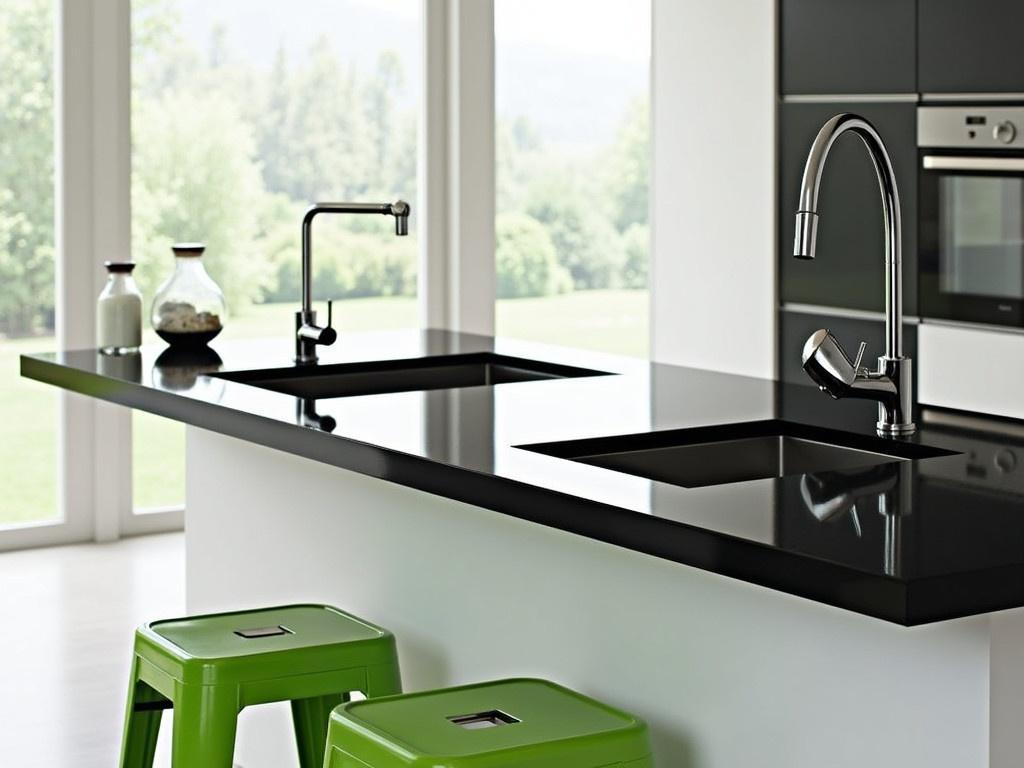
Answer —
(243, 115)
(28, 411)
(572, 91)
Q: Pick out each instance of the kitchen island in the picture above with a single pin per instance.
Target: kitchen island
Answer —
(770, 621)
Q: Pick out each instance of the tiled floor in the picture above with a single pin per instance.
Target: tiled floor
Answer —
(66, 621)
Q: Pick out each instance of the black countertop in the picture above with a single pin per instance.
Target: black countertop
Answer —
(909, 542)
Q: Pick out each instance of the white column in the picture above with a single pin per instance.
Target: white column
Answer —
(713, 185)
(457, 199)
(93, 177)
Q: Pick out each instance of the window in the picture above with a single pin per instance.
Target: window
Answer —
(572, 151)
(242, 117)
(28, 410)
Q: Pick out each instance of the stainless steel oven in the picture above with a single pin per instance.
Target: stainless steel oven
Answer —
(971, 214)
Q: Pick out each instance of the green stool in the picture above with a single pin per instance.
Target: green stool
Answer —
(521, 723)
(209, 667)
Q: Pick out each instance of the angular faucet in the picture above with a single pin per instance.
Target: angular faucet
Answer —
(307, 333)
(823, 357)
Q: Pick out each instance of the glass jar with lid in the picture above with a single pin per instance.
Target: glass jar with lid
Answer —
(119, 311)
(189, 309)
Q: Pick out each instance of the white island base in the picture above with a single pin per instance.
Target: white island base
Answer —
(727, 674)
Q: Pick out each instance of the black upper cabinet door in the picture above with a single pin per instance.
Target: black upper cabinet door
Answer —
(848, 46)
(971, 46)
(849, 270)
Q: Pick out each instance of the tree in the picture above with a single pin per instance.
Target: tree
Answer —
(628, 179)
(380, 108)
(195, 177)
(525, 260)
(586, 243)
(26, 166)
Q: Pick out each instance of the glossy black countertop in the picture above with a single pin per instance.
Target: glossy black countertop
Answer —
(910, 542)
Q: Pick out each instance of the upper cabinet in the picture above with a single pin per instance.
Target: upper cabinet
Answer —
(851, 46)
(970, 46)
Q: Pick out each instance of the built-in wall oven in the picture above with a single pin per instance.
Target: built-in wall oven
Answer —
(971, 214)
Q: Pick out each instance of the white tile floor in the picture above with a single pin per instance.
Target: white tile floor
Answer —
(66, 621)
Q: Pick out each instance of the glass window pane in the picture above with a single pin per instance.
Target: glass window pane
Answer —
(241, 117)
(572, 171)
(28, 410)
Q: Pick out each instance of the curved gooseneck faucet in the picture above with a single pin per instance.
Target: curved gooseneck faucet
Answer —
(823, 357)
(307, 333)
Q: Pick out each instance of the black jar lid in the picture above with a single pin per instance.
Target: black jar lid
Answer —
(188, 249)
(118, 267)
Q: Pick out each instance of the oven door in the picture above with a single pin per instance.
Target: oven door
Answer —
(971, 237)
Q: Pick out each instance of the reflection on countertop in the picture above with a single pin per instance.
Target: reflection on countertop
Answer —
(910, 540)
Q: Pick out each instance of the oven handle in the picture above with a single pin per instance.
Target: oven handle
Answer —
(958, 163)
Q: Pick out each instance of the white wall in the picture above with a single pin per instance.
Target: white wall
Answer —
(713, 184)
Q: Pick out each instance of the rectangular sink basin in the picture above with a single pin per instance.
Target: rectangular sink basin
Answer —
(380, 377)
(734, 453)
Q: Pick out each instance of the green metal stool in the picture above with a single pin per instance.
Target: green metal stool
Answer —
(521, 723)
(209, 667)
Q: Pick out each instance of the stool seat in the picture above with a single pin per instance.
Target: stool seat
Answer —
(521, 722)
(267, 643)
(208, 668)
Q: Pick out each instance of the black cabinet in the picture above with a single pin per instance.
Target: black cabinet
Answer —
(795, 327)
(971, 46)
(849, 270)
(847, 46)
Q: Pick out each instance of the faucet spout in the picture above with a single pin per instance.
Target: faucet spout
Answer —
(891, 383)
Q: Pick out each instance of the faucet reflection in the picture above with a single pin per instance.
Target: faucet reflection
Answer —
(830, 496)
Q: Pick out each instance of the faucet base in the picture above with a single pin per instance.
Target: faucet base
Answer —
(895, 413)
(895, 430)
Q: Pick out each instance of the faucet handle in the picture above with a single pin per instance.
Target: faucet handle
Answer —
(330, 313)
(856, 363)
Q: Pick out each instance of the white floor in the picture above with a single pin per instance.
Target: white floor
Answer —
(66, 621)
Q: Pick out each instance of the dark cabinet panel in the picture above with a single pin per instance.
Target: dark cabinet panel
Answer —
(848, 46)
(849, 270)
(971, 46)
(795, 327)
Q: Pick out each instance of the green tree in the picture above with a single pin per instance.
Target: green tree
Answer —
(586, 243)
(636, 244)
(380, 108)
(275, 128)
(195, 177)
(526, 263)
(26, 166)
(628, 166)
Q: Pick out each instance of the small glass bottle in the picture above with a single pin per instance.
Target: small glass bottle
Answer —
(189, 308)
(119, 311)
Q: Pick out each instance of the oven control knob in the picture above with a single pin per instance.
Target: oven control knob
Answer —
(1005, 132)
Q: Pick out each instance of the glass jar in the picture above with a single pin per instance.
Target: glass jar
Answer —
(189, 308)
(119, 311)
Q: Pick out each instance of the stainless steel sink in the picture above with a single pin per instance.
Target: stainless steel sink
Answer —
(380, 377)
(734, 453)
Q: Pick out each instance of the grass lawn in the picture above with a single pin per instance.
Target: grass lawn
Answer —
(610, 321)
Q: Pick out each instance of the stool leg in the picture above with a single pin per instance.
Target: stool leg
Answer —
(205, 720)
(383, 680)
(311, 717)
(141, 723)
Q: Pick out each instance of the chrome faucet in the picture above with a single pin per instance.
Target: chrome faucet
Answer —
(823, 357)
(307, 333)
